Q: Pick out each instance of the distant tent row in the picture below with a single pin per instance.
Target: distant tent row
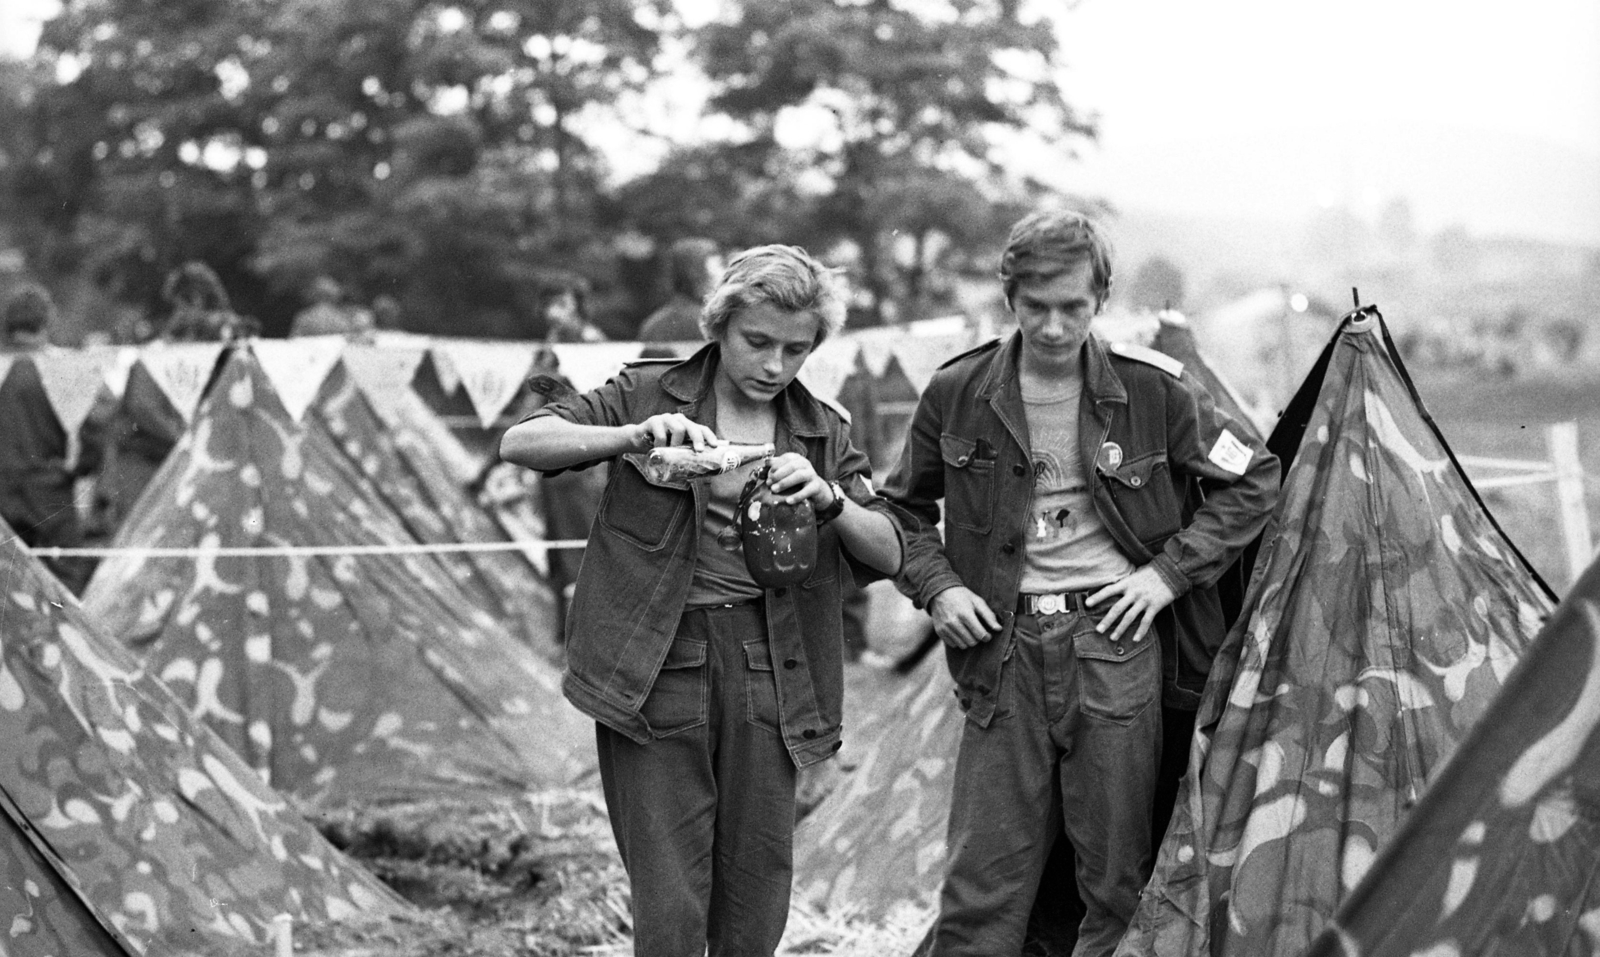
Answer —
(337, 677)
(126, 826)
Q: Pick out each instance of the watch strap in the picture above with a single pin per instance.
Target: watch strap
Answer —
(834, 509)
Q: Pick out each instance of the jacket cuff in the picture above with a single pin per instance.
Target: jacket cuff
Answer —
(1168, 570)
(923, 593)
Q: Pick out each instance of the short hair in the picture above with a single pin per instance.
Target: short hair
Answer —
(29, 308)
(1047, 243)
(786, 277)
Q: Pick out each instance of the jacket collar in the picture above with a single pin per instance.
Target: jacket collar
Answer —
(692, 380)
(1100, 381)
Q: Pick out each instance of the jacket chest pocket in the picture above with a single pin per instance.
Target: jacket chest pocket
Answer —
(968, 484)
(1146, 497)
(639, 512)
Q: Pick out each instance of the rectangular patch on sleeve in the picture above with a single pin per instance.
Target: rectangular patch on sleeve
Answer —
(1230, 454)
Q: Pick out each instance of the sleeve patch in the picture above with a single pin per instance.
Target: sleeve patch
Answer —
(1230, 454)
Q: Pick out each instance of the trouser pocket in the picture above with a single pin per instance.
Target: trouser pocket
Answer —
(677, 700)
(1117, 681)
(760, 685)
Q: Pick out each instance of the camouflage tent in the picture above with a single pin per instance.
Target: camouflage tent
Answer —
(368, 676)
(412, 475)
(878, 839)
(1385, 610)
(1502, 855)
(127, 827)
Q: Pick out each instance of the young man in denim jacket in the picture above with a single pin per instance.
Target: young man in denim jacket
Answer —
(708, 690)
(1092, 496)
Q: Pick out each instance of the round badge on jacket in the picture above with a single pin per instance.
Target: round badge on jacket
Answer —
(1110, 457)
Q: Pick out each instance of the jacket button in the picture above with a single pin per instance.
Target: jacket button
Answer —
(1120, 649)
(1008, 548)
(1018, 469)
(962, 460)
(779, 592)
(790, 663)
(809, 733)
(1136, 481)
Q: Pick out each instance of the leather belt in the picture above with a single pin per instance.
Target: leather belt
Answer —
(1054, 603)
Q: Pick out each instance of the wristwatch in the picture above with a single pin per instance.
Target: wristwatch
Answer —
(831, 511)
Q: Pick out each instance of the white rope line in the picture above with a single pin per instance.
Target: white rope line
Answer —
(256, 551)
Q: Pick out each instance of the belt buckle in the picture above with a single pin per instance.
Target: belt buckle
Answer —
(1053, 604)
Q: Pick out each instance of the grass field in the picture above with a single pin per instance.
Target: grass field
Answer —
(1481, 415)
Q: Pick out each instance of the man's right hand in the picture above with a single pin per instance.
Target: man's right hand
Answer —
(961, 618)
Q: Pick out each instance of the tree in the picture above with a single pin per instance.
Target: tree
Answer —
(431, 151)
(895, 113)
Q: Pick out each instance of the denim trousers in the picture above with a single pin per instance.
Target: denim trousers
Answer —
(1074, 746)
(704, 813)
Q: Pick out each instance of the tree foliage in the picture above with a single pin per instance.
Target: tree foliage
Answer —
(905, 102)
(443, 151)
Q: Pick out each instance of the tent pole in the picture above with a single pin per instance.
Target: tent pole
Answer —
(1562, 438)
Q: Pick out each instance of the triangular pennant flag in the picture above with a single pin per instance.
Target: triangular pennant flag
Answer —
(587, 365)
(297, 367)
(72, 378)
(181, 370)
(5, 365)
(919, 356)
(828, 366)
(382, 370)
(449, 378)
(491, 373)
(116, 378)
(876, 347)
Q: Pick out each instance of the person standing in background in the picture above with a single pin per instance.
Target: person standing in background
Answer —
(692, 266)
(36, 470)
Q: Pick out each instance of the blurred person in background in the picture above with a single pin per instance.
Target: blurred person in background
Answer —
(708, 690)
(563, 309)
(198, 308)
(385, 313)
(693, 264)
(142, 427)
(329, 314)
(36, 468)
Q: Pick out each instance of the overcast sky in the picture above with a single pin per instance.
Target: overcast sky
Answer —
(1482, 114)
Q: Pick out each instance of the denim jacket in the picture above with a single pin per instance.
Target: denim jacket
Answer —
(640, 559)
(1178, 484)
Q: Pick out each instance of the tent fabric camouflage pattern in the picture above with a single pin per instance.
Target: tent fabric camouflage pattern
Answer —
(371, 677)
(1384, 613)
(1502, 855)
(417, 485)
(878, 839)
(45, 915)
(121, 807)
